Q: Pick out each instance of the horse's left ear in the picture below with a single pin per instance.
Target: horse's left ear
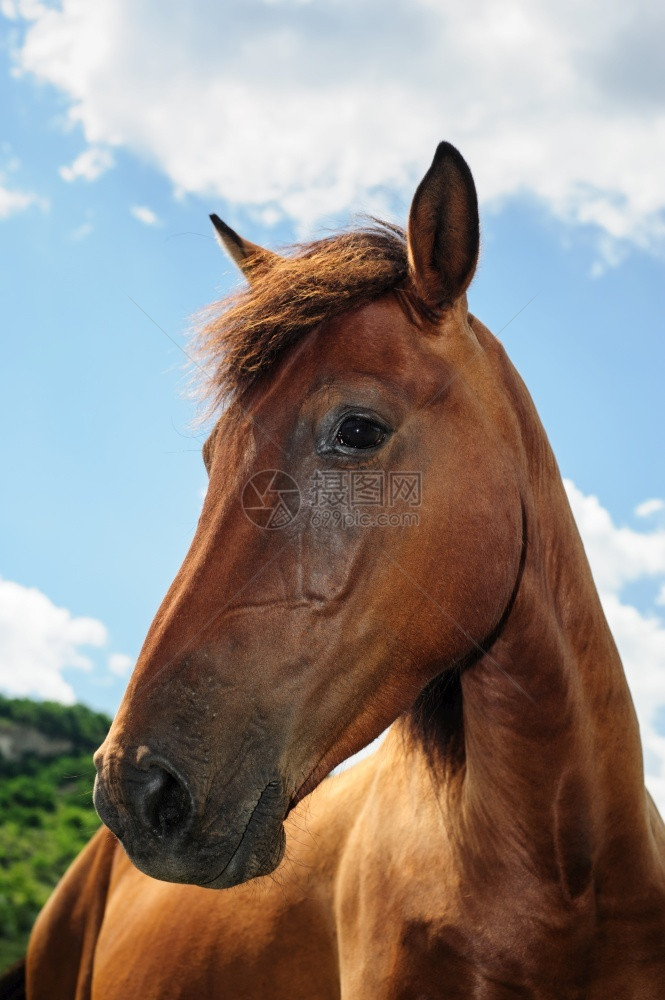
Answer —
(444, 231)
(249, 257)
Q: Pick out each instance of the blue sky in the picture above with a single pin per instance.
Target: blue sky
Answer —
(124, 125)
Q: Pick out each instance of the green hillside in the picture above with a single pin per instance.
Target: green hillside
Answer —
(46, 811)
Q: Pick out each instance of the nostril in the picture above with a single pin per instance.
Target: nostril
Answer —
(162, 802)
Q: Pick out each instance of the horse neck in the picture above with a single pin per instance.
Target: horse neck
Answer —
(547, 755)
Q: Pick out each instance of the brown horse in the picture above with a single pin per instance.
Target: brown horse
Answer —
(500, 843)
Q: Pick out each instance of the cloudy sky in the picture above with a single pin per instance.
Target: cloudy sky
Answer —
(124, 124)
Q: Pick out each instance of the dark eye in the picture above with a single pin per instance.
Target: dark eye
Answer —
(359, 432)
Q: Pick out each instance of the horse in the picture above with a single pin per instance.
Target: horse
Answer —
(500, 843)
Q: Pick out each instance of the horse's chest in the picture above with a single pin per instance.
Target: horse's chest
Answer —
(174, 942)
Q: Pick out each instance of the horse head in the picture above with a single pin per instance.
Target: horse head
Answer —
(361, 536)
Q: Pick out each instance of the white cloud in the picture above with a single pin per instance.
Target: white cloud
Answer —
(82, 231)
(619, 556)
(120, 664)
(13, 9)
(302, 109)
(12, 201)
(39, 641)
(144, 215)
(89, 165)
(649, 507)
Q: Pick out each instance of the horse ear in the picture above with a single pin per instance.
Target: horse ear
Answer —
(249, 257)
(444, 232)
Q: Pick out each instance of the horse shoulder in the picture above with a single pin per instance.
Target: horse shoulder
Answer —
(62, 946)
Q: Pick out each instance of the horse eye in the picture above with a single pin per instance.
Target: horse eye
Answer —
(359, 432)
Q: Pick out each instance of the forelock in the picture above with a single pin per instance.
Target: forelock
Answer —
(244, 336)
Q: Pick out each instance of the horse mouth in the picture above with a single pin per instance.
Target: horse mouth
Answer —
(239, 849)
(245, 861)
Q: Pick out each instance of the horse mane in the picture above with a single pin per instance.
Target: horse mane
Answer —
(243, 336)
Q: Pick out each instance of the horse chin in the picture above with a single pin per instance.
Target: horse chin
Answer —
(219, 863)
(254, 857)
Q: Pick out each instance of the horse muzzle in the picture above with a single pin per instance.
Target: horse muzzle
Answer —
(169, 835)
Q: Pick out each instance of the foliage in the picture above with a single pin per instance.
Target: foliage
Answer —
(46, 813)
(84, 728)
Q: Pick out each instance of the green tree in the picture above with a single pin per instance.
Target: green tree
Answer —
(46, 812)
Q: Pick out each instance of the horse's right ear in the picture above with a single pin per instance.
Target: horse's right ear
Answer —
(444, 232)
(249, 257)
